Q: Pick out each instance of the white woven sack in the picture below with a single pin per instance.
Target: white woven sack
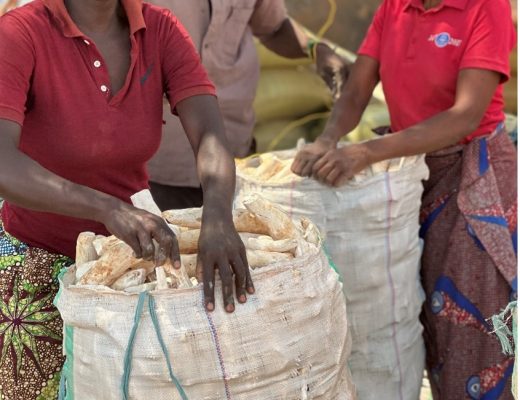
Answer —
(289, 341)
(371, 228)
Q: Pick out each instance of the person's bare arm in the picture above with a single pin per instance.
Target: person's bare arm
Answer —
(345, 116)
(219, 245)
(475, 89)
(291, 41)
(27, 184)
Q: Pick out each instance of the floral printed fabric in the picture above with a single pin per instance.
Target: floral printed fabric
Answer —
(30, 326)
(469, 224)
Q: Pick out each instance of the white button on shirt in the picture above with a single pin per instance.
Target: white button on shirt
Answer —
(104, 89)
(86, 42)
(97, 63)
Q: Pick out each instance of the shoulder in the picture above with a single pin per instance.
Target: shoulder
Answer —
(26, 22)
(494, 7)
(155, 15)
(32, 15)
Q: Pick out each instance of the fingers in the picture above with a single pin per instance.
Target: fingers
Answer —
(307, 167)
(208, 272)
(240, 278)
(226, 276)
(249, 281)
(146, 244)
(333, 177)
(166, 246)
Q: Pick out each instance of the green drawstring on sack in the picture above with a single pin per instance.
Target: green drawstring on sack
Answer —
(129, 350)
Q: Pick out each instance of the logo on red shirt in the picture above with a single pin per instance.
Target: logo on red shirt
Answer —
(444, 39)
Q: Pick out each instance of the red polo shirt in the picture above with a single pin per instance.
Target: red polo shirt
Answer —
(421, 53)
(53, 82)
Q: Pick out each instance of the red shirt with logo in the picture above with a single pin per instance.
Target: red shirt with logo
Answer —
(421, 53)
(53, 82)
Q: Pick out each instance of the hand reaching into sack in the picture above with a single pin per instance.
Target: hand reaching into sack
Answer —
(306, 158)
(338, 166)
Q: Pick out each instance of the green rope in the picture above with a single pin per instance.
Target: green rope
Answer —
(155, 321)
(129, 349)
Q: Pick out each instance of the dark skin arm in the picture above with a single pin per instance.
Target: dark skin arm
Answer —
(475, 89)
(354, 99)
(290, 41)
(220, 246)
(26, 183)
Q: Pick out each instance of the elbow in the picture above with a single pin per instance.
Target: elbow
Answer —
(467, 120)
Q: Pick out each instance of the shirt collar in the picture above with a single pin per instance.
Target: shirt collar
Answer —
(458, 4)
(133, 10)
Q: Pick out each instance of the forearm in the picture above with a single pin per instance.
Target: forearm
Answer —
(216, 169)
(289, 40)
(443, 130)
(355, 96)
(26, 183)
(202, 122)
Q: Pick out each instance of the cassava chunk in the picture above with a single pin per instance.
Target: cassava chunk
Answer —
(259, 258)
(277, 221)
(246, 221)
(85, 250)
(111, 265)
(144, 201)
(134, 277)
(189, 218)
(266, 243)
(83, 269)
(161, 278)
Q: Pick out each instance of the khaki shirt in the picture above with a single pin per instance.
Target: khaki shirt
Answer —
(224, 38)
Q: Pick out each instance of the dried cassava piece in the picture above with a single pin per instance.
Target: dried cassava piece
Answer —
(259, 258)
(246, 221)
(131, 278)
(189, 218)
(188, 241)
(85, 250)
(83, 269)
(266, 243)
(311, 233)
(180, 277)
(101, 243)
(144, 201)
(111, 265)
(162, 283)
(277, 221)
(189, 263)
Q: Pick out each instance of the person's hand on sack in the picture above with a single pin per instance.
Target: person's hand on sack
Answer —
(338, 166)
(332, 68)
(220, 247)
(306, 158)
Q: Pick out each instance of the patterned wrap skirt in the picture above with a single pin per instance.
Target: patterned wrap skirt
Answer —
(30, 326)
(469, 266)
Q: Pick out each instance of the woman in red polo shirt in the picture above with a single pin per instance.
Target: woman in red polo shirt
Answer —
(442, 64)
(81, 92)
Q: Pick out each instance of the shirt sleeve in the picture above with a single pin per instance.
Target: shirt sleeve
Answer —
(16, 66)
(372, 42)
(492, 39)
(267, 17)
(183, 73)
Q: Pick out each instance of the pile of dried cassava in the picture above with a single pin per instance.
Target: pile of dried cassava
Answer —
(268, 233)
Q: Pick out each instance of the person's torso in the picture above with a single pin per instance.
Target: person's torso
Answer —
(76, 128)
(420, 61)
(221, 33)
